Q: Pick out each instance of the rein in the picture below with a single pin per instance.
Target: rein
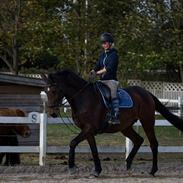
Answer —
(70, 122)
(77, 93)
(62, 119)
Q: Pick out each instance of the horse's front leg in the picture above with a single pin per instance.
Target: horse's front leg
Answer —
(81, 136)
(93, 146)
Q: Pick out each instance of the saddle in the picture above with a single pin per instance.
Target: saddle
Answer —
(125, 100)
(105, 93)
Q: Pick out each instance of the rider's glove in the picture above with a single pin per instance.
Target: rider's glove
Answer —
(92, 74)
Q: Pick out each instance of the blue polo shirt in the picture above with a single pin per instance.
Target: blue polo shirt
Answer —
(109, 60)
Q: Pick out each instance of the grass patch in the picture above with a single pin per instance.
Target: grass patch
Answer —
(62, 135)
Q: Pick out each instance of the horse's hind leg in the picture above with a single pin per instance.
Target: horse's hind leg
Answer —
(7, 160)
(137, 142)
(149, 130)
(1, 157)
(14, 159)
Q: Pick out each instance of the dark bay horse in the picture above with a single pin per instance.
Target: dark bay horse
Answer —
(89, 111)
(8, 135)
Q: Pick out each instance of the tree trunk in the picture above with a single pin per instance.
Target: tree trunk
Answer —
(15, 62)
(181, 71)
(181, 76)
(86, 39)
(14, 43)
(10, 52)
(4, 59)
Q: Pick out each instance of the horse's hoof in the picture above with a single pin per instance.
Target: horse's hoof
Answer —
(153, 171)
(130, 172)
(94, 174)
(5, 164)
(128, 165)
(73, 170)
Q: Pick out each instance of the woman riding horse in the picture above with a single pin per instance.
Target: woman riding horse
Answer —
(106, 68)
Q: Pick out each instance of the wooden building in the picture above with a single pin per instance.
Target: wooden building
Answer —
(21, 92)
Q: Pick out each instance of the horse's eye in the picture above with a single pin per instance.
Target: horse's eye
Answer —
(54, 92)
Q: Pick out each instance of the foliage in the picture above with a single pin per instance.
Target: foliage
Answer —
(58, 34)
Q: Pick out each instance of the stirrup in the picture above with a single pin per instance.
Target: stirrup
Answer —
(114, 121)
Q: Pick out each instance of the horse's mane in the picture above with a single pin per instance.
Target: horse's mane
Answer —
(66, 73)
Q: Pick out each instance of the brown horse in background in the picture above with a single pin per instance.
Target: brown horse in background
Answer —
(89, 112)
(8, 135)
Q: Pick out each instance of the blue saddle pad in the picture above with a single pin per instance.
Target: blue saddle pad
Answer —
(125, 100)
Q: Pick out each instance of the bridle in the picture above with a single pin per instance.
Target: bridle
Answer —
(78, 92)
(48, 89)
(62, 104)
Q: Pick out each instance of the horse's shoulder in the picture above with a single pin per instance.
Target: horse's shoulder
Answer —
(11, 112)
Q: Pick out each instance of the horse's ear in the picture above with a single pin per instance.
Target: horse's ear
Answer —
(51, 78)
(48, 78)
(44, 77)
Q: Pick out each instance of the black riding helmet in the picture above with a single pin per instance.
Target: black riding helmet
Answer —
(106, 37)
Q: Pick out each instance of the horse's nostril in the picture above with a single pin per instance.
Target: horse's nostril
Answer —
(54, 115)
(27, 133)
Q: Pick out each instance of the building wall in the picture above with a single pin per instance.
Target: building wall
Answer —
(20, 96)
(26, 98)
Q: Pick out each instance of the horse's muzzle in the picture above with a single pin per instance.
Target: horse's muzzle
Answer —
(54, 115)
(27, 134)
(53, 111)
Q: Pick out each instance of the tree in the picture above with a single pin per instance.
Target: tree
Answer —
(42, 34)
(60, 34)
(9, 28)
(151, 37)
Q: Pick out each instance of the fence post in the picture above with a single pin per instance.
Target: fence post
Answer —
(129, 146)
(181, 107)
(42, 139)
(179, 102)
(43, 131)
(180, 111)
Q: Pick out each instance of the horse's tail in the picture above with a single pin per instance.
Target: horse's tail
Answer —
(173, 119)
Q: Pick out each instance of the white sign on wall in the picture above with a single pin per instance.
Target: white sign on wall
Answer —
(34, 117)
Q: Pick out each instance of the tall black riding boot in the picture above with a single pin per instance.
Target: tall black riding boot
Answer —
(115, 115)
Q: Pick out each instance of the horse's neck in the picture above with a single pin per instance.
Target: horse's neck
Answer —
(79, 97)
(73, 86)
(82, 100)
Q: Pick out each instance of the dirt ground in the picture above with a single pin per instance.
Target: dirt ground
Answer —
(170, 170)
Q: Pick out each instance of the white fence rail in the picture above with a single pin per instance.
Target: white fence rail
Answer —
(32, 118)
(42, 119)
(42, 149)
